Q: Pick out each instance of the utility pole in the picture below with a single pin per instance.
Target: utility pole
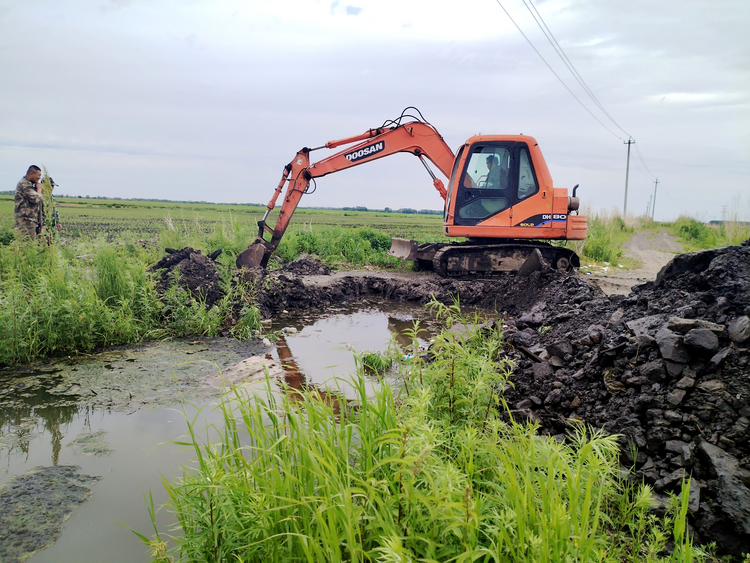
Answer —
(627, 173)
(653, 207)
(648, 206)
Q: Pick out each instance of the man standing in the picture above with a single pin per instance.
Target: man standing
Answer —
(29, 201)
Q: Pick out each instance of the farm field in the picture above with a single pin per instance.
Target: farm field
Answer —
(145, 219)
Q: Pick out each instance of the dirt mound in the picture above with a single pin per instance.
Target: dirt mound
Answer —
(196, 273)
(306, 265)
(667, 367)
(285, 290)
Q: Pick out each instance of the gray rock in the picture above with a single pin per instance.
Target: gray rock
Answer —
(616, 319)
(685, 383)
(673, 416)
(717, 360)
(711, 386)
(554, 397)
(523, 338)
(702, 339)
(732, 494)
(694, 500)
(654, 370)
(674, 368)
(676, 396)
(739, 330)
(535, 316)
(671, 346)
(740, 427)
(595, 333)
(645, 341)
(670, 479)
(198, 258)
(556, 362)
(542, 370)
(646, 325)
(560, 348)
(683, 326)
(674, 446)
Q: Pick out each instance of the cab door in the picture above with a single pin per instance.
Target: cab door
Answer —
(487, 184)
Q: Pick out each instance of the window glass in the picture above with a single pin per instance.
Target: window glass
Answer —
(526, 181)
(488, 169)
(482, 207)
(452, 184)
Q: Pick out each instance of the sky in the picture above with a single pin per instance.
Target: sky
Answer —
(208, 100)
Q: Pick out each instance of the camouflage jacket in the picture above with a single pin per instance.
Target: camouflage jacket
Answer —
(29, 203)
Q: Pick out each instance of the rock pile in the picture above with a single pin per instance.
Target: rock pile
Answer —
(666, 367)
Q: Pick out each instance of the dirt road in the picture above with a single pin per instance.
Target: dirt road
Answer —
(652, 249)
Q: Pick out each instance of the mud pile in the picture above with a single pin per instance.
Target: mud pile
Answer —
(287, 290)
(195, 272)
(667, 367)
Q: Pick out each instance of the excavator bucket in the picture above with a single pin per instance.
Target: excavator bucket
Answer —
(404, 249)
(252, 256)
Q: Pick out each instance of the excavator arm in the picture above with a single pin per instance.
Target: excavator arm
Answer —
(416, 137)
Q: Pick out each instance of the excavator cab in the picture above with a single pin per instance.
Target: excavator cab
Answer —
(485, 185)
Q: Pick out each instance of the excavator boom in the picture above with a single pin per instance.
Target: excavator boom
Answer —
(416, 137)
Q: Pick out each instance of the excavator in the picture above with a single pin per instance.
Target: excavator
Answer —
(500, 198)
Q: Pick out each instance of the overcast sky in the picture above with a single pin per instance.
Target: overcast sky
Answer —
(208, 100)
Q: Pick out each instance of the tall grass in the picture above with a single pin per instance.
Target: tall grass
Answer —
(431, 474)
(66, 300)
(699, 236)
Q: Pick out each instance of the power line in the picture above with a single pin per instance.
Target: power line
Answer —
(638, 152)
(561, 53)
(553, 72)
(577, 76)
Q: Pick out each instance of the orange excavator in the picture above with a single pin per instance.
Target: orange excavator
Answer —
(499, 197)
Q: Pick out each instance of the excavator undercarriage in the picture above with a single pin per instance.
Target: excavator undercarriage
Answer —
(484, 258)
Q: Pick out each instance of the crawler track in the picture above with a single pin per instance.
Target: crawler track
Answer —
(461, 261)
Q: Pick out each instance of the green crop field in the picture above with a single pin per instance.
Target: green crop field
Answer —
(146, 219)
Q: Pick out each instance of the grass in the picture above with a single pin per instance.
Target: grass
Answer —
(65, 300)
(700, 236)
(438, 472)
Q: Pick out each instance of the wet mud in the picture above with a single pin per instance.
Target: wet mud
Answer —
(34, 506)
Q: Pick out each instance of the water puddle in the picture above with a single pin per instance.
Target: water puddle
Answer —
(109, 414)
(318, 350)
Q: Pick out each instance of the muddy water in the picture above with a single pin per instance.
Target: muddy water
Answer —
(110, 415)
(319, 351)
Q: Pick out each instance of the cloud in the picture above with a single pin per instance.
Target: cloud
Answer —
(353, 10)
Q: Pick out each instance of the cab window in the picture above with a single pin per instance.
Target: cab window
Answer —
(488, 169)
(527, 184)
